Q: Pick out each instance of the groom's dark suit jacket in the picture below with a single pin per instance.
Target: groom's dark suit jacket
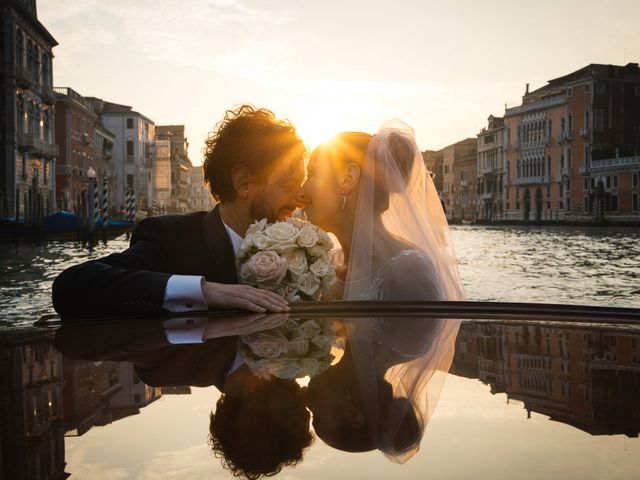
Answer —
(134, 281)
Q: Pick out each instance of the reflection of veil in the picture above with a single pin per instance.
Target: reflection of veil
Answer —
(410, 355)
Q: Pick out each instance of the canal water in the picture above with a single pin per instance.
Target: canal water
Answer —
(580, 265)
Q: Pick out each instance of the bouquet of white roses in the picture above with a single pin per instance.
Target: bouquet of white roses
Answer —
(290, 258)
(296, 349)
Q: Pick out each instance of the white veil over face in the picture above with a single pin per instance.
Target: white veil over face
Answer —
(399, 363)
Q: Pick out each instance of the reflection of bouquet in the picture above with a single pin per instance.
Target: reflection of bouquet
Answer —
(290, 258)
(296, 349)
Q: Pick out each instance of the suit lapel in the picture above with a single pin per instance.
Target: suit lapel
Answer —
(219, 246)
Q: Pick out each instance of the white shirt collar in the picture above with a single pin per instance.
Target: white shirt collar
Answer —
(236, 240)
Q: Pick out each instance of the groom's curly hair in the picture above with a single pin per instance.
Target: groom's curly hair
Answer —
(252, 438)
(250, 137)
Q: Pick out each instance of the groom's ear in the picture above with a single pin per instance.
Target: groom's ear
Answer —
(241, 179)
(350, 177)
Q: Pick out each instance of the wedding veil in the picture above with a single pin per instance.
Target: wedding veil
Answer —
(411, 356)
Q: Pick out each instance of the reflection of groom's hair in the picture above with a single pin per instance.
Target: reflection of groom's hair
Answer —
(260, 427)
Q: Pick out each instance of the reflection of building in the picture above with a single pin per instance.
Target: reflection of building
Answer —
(459, 179)
(27, 164)
(134, 394)
(586, 378)
(573, 147)
(491, 169)
(88, 387)
(31, 427)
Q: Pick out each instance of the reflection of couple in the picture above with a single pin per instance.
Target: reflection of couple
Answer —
(375, 195)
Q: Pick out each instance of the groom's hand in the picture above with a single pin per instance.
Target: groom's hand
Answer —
(224, 296)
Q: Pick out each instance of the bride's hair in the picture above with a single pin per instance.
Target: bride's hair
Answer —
(352, 147)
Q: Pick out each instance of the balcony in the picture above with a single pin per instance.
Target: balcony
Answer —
(613, 165)
(564, 137)
(36, 146)
(584, 132)
(532, 180)
(23, 77)
(486, 196)
(47, 94)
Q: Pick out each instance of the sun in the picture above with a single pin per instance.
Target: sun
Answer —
(316, 127)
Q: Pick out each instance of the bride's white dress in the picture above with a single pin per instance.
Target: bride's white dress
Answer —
(411, 354)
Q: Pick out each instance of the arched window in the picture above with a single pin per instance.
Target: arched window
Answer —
(20, 48)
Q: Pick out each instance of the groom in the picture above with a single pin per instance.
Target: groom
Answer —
(254, 166)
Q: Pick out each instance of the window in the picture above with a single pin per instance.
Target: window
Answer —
(129, 147)
(598, 119)
(635, 179)
(635, 202)
(586, 155)
(614, 202)
(601, 87)
(570, 92)
(586, 184)
(129, 181)
(129, 122)
(615, 181)
(608, 181)
(586, 204)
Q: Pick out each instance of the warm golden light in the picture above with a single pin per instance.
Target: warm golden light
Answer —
(316, 129)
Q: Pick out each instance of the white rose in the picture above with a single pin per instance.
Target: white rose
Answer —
(308, 283)
(245, 247)
(310, 366)
(297, 261)
(288, 292)
(328, 281)
(308, 329)
(260, 240)
(257, 226)
(281, 234)
(307, 236)
(324, 240)
(321, 269)
(266, 269)
(269, 344)
(319, 253)
(296, 222)
(298, 346)
(286, 369)
(323, 343)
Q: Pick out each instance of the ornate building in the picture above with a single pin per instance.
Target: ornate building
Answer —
(573, 147)
(491, 169)
(459, 180)
(180, 166)
(84, 144)
(27, 168)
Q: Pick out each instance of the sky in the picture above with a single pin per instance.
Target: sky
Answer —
(331, 65)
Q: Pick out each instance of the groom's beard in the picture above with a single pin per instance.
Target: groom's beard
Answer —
(260, 208)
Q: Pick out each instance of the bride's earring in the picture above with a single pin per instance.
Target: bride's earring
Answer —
(343, 202)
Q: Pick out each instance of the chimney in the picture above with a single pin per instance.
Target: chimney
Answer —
(527, 91)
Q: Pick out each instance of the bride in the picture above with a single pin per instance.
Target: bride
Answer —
(375, 194)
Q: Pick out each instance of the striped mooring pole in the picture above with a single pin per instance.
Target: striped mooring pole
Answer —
(130, 204)
(105, 202)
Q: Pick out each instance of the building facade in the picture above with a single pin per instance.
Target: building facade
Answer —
(459, 180)
(180, 166)
(491, 170)
(27, 169)
(133, 154)
(573, 147)
(200, 198)
(85, 146)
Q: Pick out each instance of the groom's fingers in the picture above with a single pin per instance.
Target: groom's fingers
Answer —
(224, 296)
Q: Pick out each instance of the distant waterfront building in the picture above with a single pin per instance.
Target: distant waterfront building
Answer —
(180, 166)
(573, 147)
(84, 144)
(133, 154)
(199, 196)
(162, 177)
(27, 168)
(433, 160)
(459, 180)
(491, 169)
